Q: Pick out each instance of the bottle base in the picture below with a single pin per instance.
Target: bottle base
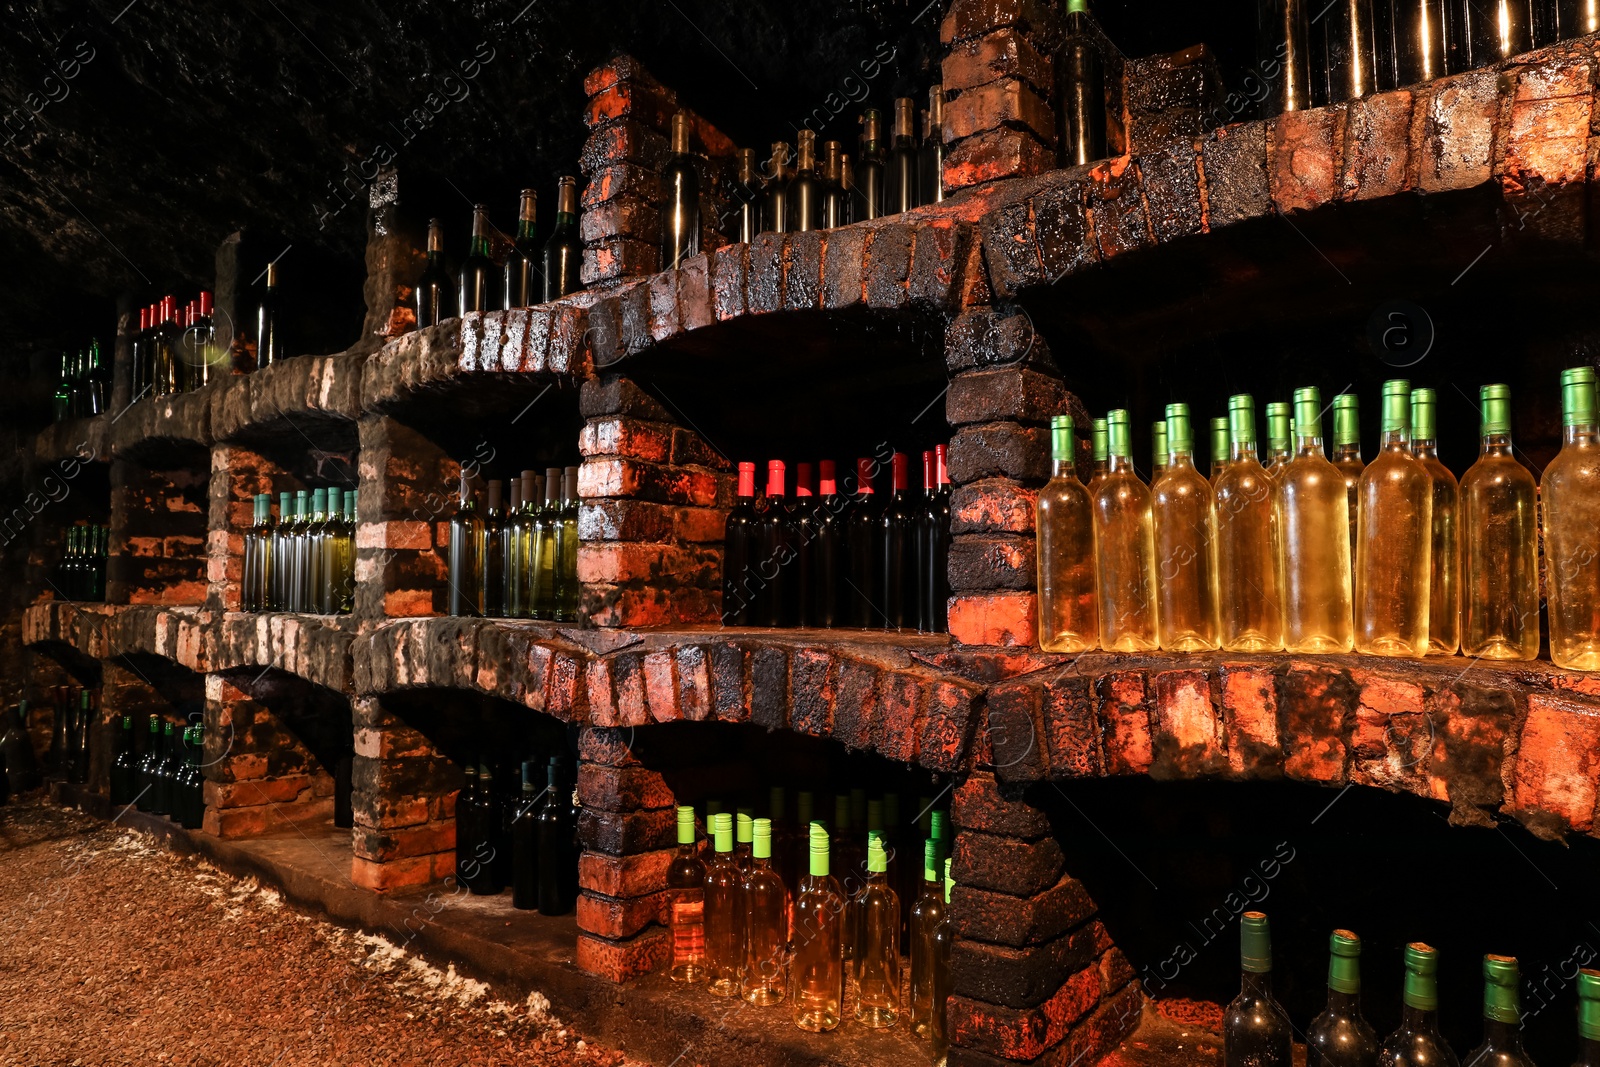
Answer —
(763, 998)
(1318, 646)
(1588, 660)
(817, 1022)
(1393, 647)
(876, 1018)
(1188, 642)
(1252, 642)
(724, 987)
(1130, 643)
(688, 972)
(1067, 643)
(1501, 650)
(1439, 648)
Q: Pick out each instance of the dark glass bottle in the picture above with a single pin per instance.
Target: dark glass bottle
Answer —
(804, 200)
(933, 546)
(558, 861)
(468, 828)
(1340, 1036)
(97, 385)
(774, 553)
(930, 157)
(1418, 1043)
(1502, 1016)
(1345, 63)
(466, 568)
(867, 188)
(802, 534)
(162, 773)
(434, 298)
(122, 766)
(1419, 40)
(485, 876)
(680, 208)
(1476, 37)
(567, 588)
(522, 284)
(1256, 1031)
(563, 252)
(1283, 54)
(738, 544)
(835, 207)
(775, 194)
(525, 842)
(1081, 75)
(897, 590)
(827, 548)
(138, 375)
(900, 175)
(746, 198)
(193, 805)
(861, 543)
(61, 403)
(1588, 1018)
(475, 281)
(80, 740)
(144, 785)
(490, 560)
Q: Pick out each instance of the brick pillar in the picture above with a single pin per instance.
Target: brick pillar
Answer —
(403, 508)
(654, 504)
(628, 834)
(237, 475)
(1035, 977)
(403, 798)
(158, 535)
(259, 776)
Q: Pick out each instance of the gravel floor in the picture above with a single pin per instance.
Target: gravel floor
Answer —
(114, 951)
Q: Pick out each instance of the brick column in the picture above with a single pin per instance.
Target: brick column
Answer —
(403, 798)
(158, 535)
(259, 776)
(403, 507)
(1035, 977)
(237, 475)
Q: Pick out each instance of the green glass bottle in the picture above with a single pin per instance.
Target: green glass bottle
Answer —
(1417, 1042)
(1444, 632)
(1256, 1031)
(1340, 1036)
(1064, 523)
(1499, 543)
(1502, 1016)
(1588, 1018)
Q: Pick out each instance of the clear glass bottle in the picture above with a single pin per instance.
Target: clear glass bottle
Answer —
(1100, 439)
(1340, 1036)
(724, 915)
(1347, 455)
(1064, 523)
(1499, 543)
(1249, 598)
(542, 563)
(1314, 524)
(1444, 630)
(1159, 450)
(1125, 549)
(686, 894)
(850, 863)
(1570, 494)
(766, 931)
(1280, 441)
(1502, 1016)
(816, 970)
(491, 566)
(1221, 453)
(877, 962)
(944, 943)
(1256, 1031)
(466, 534)
(1393, 560)
(1417, 1042)
(278, 582)
(926, 914)
(1588, 1018)
(1185, 525)
(567, 589)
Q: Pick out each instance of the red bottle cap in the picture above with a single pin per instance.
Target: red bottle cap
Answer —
(205, 304)
(144, 318)
(747, 479)
(827, 483)
(940, 472)
(927, 472)
(864, 475)
(774, 477)
(802, 480)
(189, 314)
(902, 475)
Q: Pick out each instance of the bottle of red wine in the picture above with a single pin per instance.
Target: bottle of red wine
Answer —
(269, 330)
(680, 209)
(1502, 1016)
(774, 553)
(738, 544)
(563, 252)
(475, 288)
(525, 841)
(930, 157)
(802, 542)
(775, 196)
(835, 209)
(1081, 76)
(1588, 1018)
(1418, 1043)
(558, 860)
(122, 766)
(804, 199)
(746, 198)
(897, 526)
(900, 183)
(521, 287)
(827, 548)
(1283, 44)
(434, 297)
(933, 546)
(869, 178)
(1340, 1036)
(1255, 1029)
(861, 544)
(468, 833)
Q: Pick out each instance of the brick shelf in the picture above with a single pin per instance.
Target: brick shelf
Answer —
(83, 439)
(281, 401)
(164, 431)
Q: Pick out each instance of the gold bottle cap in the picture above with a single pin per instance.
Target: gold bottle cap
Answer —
(272, 274)
(847, 174)
(871, 126)
(808, 150)
(905, 116)
(780, 159)
(833, 161)
(680, 134)
(435, 236)
(747, 165)
(567, 195)
(528, 206)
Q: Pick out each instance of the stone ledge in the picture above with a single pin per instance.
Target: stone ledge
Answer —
(83, 439)
(328, 386)
(148, 431)
(313, 647)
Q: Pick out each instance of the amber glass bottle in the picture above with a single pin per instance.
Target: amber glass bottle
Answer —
(1570, 491)
(1444, 634)
(1220, 454)
(723, 915)
(1064, 521)
(926, 914)
(1280, 442)
(1101, 451)
(877, 962)
(1125, 549)
(1186, 610)
(1158, 450)
(1393, 560)
(1249, 602)
(686, 890)
(1347, 455)
(766, 930)
(816, 969)
(1314, 524)
(1499, 543)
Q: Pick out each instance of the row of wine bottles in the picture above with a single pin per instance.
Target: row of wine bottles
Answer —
(1258, 1032)
(175, 350)
(81, 573)
(304, 559)
(527, 841)
(1310, 555)
(85, 385)
(519, 562)
(166, 778)
(830, 558)
(72, 719)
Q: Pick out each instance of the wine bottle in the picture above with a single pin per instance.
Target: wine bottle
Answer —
(1419, 40)
(1185, 529)
(545, 550)
(1340, 1036)
(434, 297)
(1502, 1016)
(300, 567)
(746, 197)
(281, 557)
(744, 823)
(1443, 553)
(521, 285)
(877, 959)
(1349, 54)
(1499, 543)
(269, 328)
(847, 182)
(138, 369)
(1159, 450)
(248, 560)
(161, 773)
(1080, 73)
(144, 774)
(944, 943)
(926, 914)
(1588, 1018)
(867, 187)
(897, 547)
(933, 541)
(61, 403)
(803, 201)
(510, 552)
(524, 563)
(475, 288)
(1347, 455)
(816, 971)
(122, 766)
(775, 192)
(862, 533)
(1279, 441)
(1125, 549)
(316, 540)
(558, 857)
(766, 926)
(80, 742)
(740, 542)
(1393, 565)
(802, 534)
(680, 207)
(1314, 524)
(469, 828)
(1100, 441)
(1283, 55)
(835, 206)
(563, 251)
(1255, 1029)
(900, 174)
(567, 589)
(191, 780)
(1570, 493)
(1064, 520)
(466, 568)
(95, 386)
(1221, 450)
(770, 564)
(346, 585)
(686, 894)
(930, 157)
(1496, 30)
(1249, 604)
(1417, 1042)
(827, 547)
(723, 915)
(490, 573)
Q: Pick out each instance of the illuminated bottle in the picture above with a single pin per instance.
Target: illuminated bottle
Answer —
(1159, 450)
(900, 174)
(491, 564)
(1588, 1018)
(521, 284)
(868, 183)
(930, 157)
(1186, 584)
(1125, 549)
(1255, 1029)
(567, 588)
(877, 962)
(944, 943)
(724, 918)
(775, 197)
(516, 536)
(805, 188)
(747, 194)
(835, 202)
(475, 288)
(1417, 1042)
(680, 207)
(1314, 524)
(744, 830)
(1499, 543)
(1080, 70)
(1570, 492)
(1340, 1036)
(926, 914)
(1220, 453)
(1280, 444)
(1444, 630)
(816, 971)
(281, 561)
(1101, 441)
(1249, 600)
(563, 252)
(739, 544)
(1347, 455)
(1393, 565)
(466, 533)
(766, 931)
(435, 295)
(1502, 1016)
(250, 598)
(1064, 522)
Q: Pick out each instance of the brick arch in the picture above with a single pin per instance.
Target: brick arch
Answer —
(311, 647)
(183, 636)
(282, 397)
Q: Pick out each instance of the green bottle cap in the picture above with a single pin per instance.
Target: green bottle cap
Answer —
(939, 827)
(1578, 396)
(1180, 433)
(930, 860)
(1255, 943)
(1278, 426)
(350, 506)
(1494, 402)
(333, 500)
(1396, 415)
(841, 813)
(744, 826)
(1589, 1004)
(319, 501)
(877, 859)
(1159, 449)
(301, 500)
(1077, 7)
(949, 882)
(127, 722)
(1118, 443)
(775, 799)
(722, 832)
(1219, 440)
(1101, 436)
(155, 724)
(1061, 438)
(874, 816)
(1241, 419)
(1346, 420)
(1424, 415)
(1308, 411)
(761, 839)
(802, 807)
(1501, 998)
(819, 850)
(1344, 962)
(285, 507)
(1422, 985)
(168, 731)
(685, 824)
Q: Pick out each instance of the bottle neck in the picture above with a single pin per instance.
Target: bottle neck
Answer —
(1308, 444)
(480, 246)
(1496, 444)
(1242, 450)
(1396, 441)
(1349, 450)
(1589, 1052)
(1180, 460)
(1061, 468)
(1502, 1036)
(1582, 433)
(1425, 448)
(1344, 1004)
(1419, 1020)
(1256, 984)
(1116, 464)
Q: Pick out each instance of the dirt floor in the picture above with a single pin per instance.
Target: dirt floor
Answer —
(114, 951)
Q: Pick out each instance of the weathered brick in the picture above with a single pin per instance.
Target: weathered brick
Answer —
(802, 285)
(992, 155)
(981, 803)
(1457, 149)
(621, 789)
(1303, 157)
(1250, 720)
(1004, 53)
(611, 918)
(1377, 146)
(999, 449)
(624, 876)
(1004, 919)
(1125, 720)
(1006, 864)
(1021, 977)
(983, 562)
(1026, 1033)
(1015, 393)
(973, 18)
(620, 961)
(1557, 764)
(888, 265)
(995, 619)
(729, 270)
(842, 274)
(1234, 161)
(993, 505)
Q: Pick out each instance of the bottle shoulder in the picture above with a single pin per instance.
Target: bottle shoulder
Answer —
(1181, 483)
(1497, 471)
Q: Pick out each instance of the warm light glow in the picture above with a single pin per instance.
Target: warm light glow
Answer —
(1591, 16)
(1425, 45)
(1504, 16)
